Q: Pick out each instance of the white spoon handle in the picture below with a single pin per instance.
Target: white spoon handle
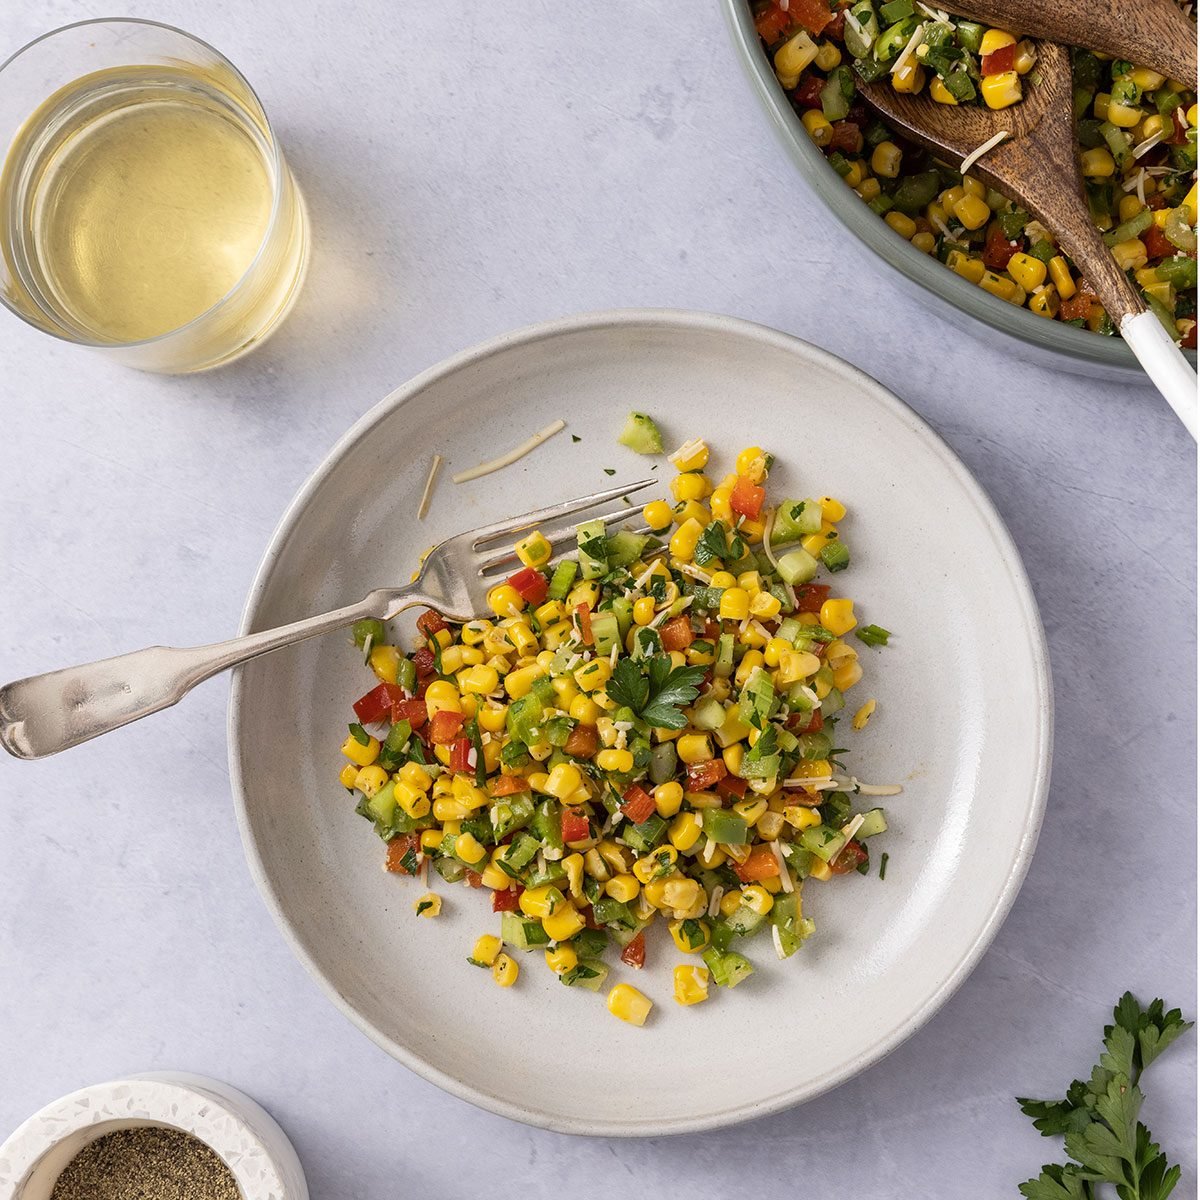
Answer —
(1168, 369)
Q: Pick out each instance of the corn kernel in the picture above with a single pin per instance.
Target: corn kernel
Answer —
(1000, 91)
(618, 761)
(798, 665)
(622, 887)
(1028, 271)
(564, 923)
(694, 748)
(1130, 254)
(972, 212)
(1044, 302)
(681, 939)
(691, 485)
(683, 541)
(563, 780)
(534, 550)
(519, 682)
(940, 92)
(904, 225)
(348, 774)
(969, 268)
(1124, 116)
(370, 779)
(487, 950)
(758, 899)
(357, 752)
(1097, 163)
(909, 78)
(561, 959)
(505, 601)
(628, 1003)
(801, 817)
(385, 662)
(885, 160)
(428, 905)
(735, 604)
(685, 831)
(1060, 275)
(995, 39)
(505, 971)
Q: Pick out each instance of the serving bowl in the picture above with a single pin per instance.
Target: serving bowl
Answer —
(933, 285)
(963, 722)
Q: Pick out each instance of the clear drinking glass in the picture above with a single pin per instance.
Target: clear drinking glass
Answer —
(146, 209)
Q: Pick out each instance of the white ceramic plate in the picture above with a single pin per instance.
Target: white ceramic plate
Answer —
(963, 722)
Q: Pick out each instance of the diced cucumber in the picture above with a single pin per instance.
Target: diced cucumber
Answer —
(646, 643)
(590, 943)
(608, 911)
(766, 767)
(744, 921)
(547, 824)
(450, 869)
(824, 842)
(525, 933)
(723, 826)
(709, 714)
(723, 667)
(511, 813)
(873, 822)
(789, 630)
(382, 805)
(555, 874)
(593, 549)
(859, 44)
(622, 609)
(792, 928)
(519, 853)
(663, 762)
(587, 973)
(707, 598)
(625, 547)
(795, 519)
(835, 556)
(644, 837)
(728, 969)
(606, 632)
(796, 566)
(369, 627)
(641, 434)
(815, 745)
(562, 579)
(833, 702)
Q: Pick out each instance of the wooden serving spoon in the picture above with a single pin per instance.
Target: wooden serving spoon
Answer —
(1150, 33)
(1038, 166)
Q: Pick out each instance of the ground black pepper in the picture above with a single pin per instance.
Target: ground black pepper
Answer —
(149, 1163)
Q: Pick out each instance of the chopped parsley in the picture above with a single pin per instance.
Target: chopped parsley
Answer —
(658, 693)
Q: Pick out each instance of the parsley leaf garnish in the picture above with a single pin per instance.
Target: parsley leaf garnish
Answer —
(657, 694)
(712, 544)
(1099, 1117)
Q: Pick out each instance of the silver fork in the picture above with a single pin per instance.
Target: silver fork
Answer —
(44, 714)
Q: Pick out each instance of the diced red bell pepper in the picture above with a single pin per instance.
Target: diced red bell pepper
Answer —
(761, 864)
(1188, 341)
(846, 137)
(816, 722)
(430, 622)
(638, 804)
(583, 614)
(1179, 127)
(424, 661)
(703, 775)
(531, 583)
(575, 827)
(398, 849)
(1157, 244)
(808, 93)
(1078, 307)
(677, 633)
(634, 954)
(747, 498)
(460, 753)
(507, 900)
(998, 249)
(814, 15)
(444, 727)
(473, 878)
(810, 596)
(712, 629)
(836, 29)
(508, 785)
(589, 916)
(379, 703)
(412, 711)
(731, 787)
(999, 61)
(849, 858)
(582, 742)
(772, 23)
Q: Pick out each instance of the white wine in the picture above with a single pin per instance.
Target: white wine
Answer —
(136, 200)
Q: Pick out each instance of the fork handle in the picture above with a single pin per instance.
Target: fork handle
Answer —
(44, 714)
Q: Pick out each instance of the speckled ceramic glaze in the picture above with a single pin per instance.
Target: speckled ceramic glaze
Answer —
(964, 304)
(963, 723)
(238, 1130)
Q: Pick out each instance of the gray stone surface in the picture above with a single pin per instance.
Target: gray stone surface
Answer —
(470, 168)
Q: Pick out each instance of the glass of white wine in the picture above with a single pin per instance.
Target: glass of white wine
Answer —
(146, 208)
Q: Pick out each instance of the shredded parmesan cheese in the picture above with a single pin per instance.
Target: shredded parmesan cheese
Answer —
(507, 460)
(644, 578)
(913, 43)
(870, 789)
(1146, 146)
(784, 876)
(434, 467)
(980, 151)
(778, 942)
(696, 573)
(766, 541)
(687, 450)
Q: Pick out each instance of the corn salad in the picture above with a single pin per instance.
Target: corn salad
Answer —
(642, 731)
(1137, 145)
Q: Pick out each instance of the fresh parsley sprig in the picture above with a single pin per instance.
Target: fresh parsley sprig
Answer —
(1099, 1116)
(657, 693)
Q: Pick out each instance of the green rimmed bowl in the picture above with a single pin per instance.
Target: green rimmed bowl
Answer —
(948, 294)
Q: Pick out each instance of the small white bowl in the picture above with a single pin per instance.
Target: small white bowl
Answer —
(239, 1131)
